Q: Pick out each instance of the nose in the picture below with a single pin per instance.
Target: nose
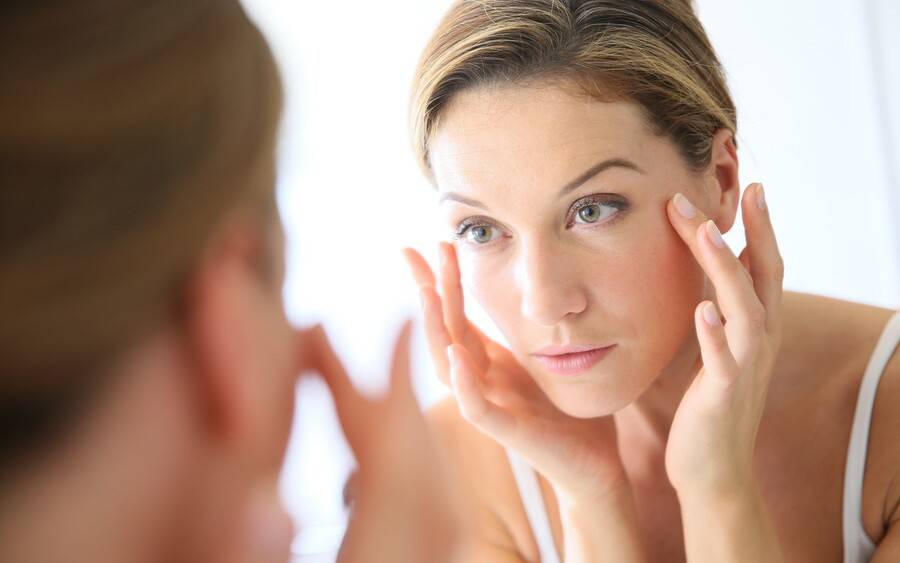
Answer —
(550, 286)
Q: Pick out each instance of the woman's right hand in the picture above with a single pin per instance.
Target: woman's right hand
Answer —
(397, 512)
(495, 393)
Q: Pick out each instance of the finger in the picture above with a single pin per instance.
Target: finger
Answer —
(304, 356)
(436, 332)
(324, 359)
(736, 295)
(744, 259)
(352, 408)
(452, 293)
(718, 362)
(744, 313)
(418, 266)
(458, 325)
(473, 405)
(400, 365)
(764, 257)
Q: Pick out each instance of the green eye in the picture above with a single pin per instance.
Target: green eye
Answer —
(595, 211)
(590, 213)
(481, 234)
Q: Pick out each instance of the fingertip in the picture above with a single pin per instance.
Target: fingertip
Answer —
(761, 198)
(447, 254)
(443, 249)
(683, 206)
(408, 255)
(418, 267)
(754, 199)
(407, 327)
(709, 313)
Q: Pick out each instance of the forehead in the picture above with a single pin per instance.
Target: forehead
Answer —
(539, 132)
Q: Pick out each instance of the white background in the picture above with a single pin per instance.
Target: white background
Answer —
(816, 85)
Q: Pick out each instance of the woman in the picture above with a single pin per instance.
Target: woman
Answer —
(147, 370)
(661, 398)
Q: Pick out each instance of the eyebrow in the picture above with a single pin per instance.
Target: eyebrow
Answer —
(597, 169)
(569, 187)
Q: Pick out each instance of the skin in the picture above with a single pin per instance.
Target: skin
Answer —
(179, 458)
(688, 435)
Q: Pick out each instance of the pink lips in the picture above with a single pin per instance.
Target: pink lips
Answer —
(570, 360)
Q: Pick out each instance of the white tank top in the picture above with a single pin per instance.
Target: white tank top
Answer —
(858, 546)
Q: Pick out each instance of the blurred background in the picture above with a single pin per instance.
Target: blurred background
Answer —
(817, 87)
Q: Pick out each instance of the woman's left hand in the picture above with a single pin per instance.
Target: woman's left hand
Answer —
(713, 435)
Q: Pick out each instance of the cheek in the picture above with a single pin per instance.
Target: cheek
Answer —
(489, 279)
(663, 285)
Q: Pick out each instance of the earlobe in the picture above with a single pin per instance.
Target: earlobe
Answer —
(216, 325)
(725, 188)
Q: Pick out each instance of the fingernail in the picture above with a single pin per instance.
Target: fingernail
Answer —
(684, 207)
(761, 197)
(715, 236)
(711, 315)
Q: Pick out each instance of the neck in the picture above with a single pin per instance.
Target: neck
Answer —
(644, 424)
(115, 487)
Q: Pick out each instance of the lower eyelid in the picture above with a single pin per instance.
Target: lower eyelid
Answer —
(614, 218)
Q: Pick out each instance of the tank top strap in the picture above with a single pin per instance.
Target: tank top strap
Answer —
(535, 509)
(858, 546)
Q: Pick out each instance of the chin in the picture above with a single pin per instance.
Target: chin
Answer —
(587, 399)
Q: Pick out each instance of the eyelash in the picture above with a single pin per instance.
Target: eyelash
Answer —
(610, 200)
(607, 200)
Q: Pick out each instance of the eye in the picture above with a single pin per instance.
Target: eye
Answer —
(595, 209)
(476, 231)
(481, 234)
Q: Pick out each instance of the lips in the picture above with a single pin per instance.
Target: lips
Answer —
(571, 360)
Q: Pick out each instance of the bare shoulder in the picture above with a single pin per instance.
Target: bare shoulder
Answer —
(827, 346)
(829, 331)
(488, 493)
(882, 480)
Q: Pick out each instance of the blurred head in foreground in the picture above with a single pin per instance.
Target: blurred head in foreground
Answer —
(146, 366)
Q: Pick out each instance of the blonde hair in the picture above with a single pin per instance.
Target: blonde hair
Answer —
(651, 52)
(128, 130)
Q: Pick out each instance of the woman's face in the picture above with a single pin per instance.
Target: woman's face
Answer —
(557, 206)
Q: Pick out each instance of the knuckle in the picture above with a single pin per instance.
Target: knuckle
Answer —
(756, 317)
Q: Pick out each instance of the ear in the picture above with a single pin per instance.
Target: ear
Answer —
(219, 311)
(723, 183)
